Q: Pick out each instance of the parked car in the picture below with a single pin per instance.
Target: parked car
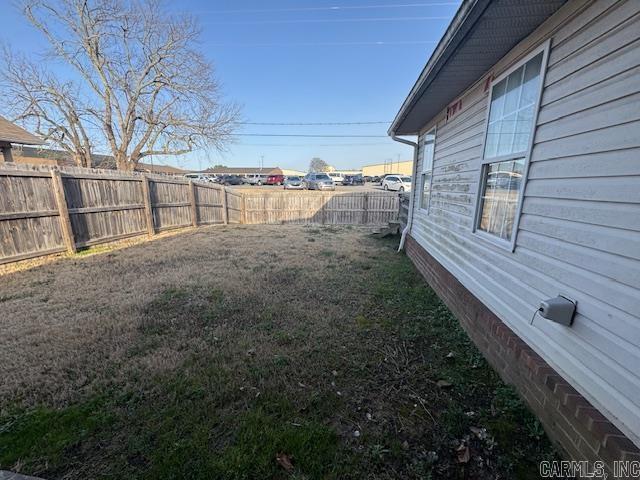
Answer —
(275, 180)
(375, 179)
(197, 177)
(367, 179)
(318, 181)
(256, 178)
(231, 180)
(353, 180)
(398, 183)
(336, 177)
(504, 180)
(382, 177)
(293, 183)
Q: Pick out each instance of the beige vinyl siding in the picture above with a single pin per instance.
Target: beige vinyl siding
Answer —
(579, 231)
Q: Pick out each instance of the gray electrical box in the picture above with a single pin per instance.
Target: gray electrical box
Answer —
(559, 309)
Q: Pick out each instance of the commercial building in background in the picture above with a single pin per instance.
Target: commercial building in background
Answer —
(242, 171)
(525, 212)
(293, 173)
(378, 169)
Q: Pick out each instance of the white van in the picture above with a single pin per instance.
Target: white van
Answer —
(198, 177)
(337, 178)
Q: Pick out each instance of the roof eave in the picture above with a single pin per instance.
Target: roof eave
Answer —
(446, 46)
(22, 141)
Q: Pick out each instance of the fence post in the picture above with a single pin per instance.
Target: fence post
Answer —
(65, 221)
(243, 210)
(323, 199)
(194, 206)
(225, 208)
(365, 209)
(148, 208)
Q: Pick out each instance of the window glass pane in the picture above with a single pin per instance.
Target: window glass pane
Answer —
(530, 82)
(493, 134)
(427, 152)
(512, 95)
(507, 128)
(499, 201)
(426, 191)
(497, 101)
(522, 129)
(511, 110)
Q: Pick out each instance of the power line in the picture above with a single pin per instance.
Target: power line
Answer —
(332, 8)
(333, 20)
(306, 136)
(296, 124)
(324, 44)
(311, 144)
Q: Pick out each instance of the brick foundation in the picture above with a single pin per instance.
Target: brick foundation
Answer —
(568, 418)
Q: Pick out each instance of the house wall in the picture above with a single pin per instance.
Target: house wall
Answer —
(579, 232)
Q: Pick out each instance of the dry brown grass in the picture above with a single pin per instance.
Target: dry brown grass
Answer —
(69, 326)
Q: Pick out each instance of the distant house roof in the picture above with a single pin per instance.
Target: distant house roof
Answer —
(63, 158)
(166, 169)
(12, 133)
(480, 34)
(107, 162)
(243, 170)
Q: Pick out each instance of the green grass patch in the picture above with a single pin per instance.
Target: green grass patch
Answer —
(265, 433)
(42, 437)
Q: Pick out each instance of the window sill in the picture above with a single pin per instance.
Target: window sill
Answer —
(506, 245)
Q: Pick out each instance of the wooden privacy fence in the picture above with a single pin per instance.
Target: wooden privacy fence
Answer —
(45, 211)
(335, 208)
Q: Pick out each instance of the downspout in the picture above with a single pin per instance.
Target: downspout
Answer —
(413, 184)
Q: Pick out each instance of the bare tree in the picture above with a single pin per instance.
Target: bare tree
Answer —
(319, 165)
(137, 82)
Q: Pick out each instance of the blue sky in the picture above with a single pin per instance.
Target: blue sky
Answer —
(305, 61)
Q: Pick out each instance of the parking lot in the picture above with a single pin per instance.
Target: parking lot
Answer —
(367, 187)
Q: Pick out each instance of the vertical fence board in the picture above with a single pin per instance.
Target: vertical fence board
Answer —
(148, 210)
(225, 210)
(194, 206)
(63, 211)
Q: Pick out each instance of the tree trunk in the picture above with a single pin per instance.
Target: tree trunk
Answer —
(122, 162)
(87, 159)
(82, 158)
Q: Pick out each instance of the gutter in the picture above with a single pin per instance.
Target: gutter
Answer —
(407, 229)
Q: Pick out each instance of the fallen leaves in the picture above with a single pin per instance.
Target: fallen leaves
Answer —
(480, 433)
(444, 384)
(285, 461)
(463, 453)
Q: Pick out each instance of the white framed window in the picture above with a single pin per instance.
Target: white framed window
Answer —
(426, 177)
(513, 109)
